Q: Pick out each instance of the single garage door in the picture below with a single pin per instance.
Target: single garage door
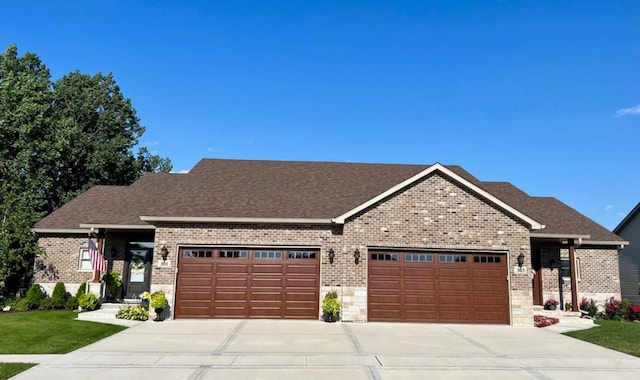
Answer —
(438, 287)
(248, 283)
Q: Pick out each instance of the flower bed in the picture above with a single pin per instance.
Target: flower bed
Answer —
(543, 321)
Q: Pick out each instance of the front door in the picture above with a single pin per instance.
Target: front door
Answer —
(137, 270)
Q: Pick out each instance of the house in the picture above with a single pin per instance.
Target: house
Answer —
(267, 239)
(629, 229)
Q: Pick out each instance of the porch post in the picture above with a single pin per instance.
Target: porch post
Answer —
(574, 275)
(100, 239)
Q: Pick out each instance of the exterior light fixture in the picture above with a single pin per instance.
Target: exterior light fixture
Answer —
(331, 255)
(520, 259)
(356, 256)
(164, 252)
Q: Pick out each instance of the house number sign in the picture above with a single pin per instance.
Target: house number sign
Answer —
(520, 270)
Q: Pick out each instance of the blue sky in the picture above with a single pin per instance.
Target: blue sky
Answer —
(542, 94)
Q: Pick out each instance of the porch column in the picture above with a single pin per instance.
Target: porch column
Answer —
(574, 275)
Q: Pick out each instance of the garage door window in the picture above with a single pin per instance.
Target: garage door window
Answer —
(418, 257)
(233, 254)
(196, 254)
(453, 259)
(486, 259)
(302, 255)
(384, 256)
(267, 254)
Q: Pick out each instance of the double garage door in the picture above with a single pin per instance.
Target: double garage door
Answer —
(248, 283)
(438, 287)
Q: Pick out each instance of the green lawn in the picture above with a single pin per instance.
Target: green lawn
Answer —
(49, 332)
(619, 336)
(8, 370)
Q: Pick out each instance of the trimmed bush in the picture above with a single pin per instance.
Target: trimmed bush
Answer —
(47, 304)
(133, 313)
(81, 290)
(114, 282)
(71, 304)
(59, 296)
(88, 302)
(35, 295)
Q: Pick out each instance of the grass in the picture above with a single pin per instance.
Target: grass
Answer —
(49, 332)
(619, 336)
(8, 370)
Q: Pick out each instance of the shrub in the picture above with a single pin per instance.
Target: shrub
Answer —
(82, 289)
(59, 296)
(633, 312)
(113, 281)
(589, 307)
(72, 303)
(330, 304)
(47, 304)
(158, 300)
(22, 304)
(88, 302)
(133, 313)
(613, 310)
(34, 297)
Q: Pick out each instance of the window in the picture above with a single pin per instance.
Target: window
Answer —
(267, 254)
(453, 259)
(384, 256)
(85, 260)
(196, 253)
(565, 268)
(486, 259)
(234, 254)
(302, 255)
(418, 257)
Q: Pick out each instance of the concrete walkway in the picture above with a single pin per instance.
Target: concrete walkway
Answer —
(251, 349)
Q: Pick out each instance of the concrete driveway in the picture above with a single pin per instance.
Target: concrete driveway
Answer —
(248, 349)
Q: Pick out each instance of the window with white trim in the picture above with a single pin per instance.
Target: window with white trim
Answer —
(84, 261)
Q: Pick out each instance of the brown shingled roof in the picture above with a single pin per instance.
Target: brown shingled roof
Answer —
(284, 189)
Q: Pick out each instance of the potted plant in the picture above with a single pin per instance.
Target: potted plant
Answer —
(158, 303)
(113, 282)
(145, 298)
(551, 304)
(330, 307)
(567, 306)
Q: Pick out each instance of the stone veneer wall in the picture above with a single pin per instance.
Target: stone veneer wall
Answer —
(598, 276)
(438, 214)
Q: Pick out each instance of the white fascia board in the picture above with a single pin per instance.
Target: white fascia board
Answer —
(558, 236)
(61, 230)
(438, 167)
(208, 219)
(619, 243)
(119, 226)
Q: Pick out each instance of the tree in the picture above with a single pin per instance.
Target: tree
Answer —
(58, 139)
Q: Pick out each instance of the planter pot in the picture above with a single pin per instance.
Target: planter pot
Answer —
(158, 315)
(330, 317)
(550, 307)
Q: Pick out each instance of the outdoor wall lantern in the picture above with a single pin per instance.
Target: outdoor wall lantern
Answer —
(164, 252)
(520, 260)
(356, 256)
(332, 255)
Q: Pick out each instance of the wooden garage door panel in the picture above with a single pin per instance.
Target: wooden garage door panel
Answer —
(299, 269)
(231, 282)
(197, 311)
(229, 268)
(302, 297)
(419, 285)
(266, 282)
(378, 270)
(455, 286)
(267, 268)
(193, 266)
(195, 295)
(414, 299)
(456, 292)
(420, 271)
(310, 283)
(203, 281)
(244, 287)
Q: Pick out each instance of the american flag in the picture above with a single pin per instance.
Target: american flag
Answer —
(97, 261)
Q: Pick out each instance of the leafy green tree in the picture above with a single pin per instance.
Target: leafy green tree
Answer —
(58, 139)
